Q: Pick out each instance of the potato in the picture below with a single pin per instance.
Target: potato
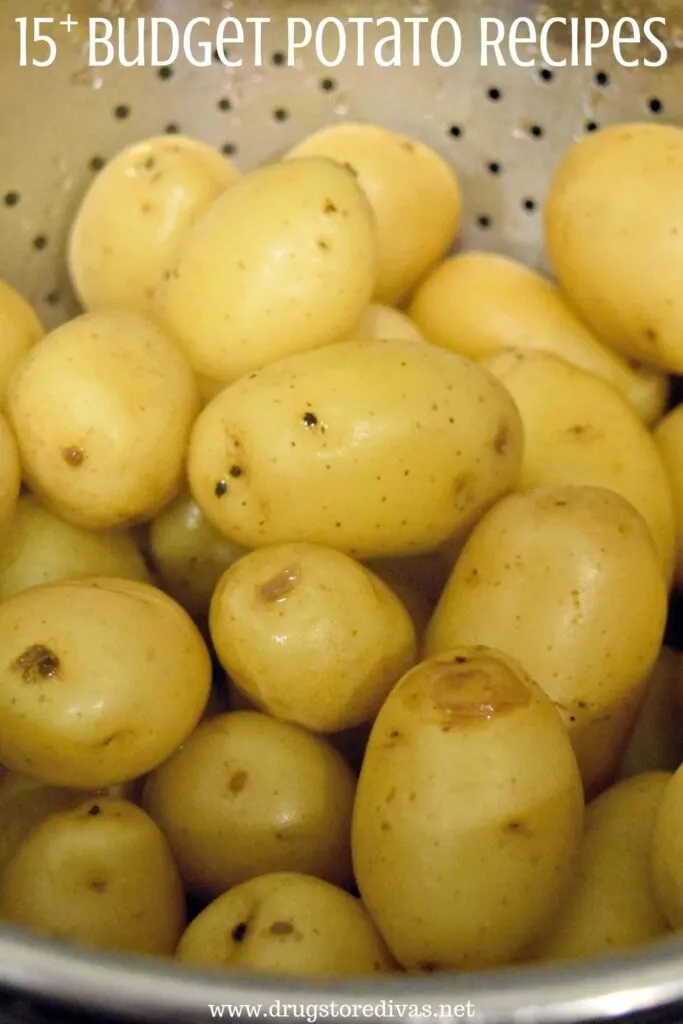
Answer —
(10, 477)
(134, 217)
(462, 848)
(310, 636)
(246, 795)
(666, 853)
(579, 430)
(99, 875)
(415, 196)
(381, 448)
(20, 329)
(616, 250)
(669, 438)
(100, 681)
(453, 308)
(566, 580)
(189, 555)
(612, 905)
(656, 743)
(287, 924)
(102, 409)
(383, 323)
(284, 262)
(41, 548)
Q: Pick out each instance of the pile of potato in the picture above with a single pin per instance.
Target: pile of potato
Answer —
(334, 565)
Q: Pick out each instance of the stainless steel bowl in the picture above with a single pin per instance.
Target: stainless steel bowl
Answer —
(504, 128)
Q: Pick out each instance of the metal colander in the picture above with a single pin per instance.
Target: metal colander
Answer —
(504, 128)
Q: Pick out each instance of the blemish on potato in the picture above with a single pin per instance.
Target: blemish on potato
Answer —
(37, 664)
(475, 690)
(221, 488)
(73, 456)
(281, 586)
(502, 439)
(238, 781)
(391, 796)
(329, 207)
(94, 811)
(323, 245)
(385, 826)
(282, 928)
(651, 335)
(519, 828)
(309, 420)
(98, 886)
(239, 932)
(236, 472)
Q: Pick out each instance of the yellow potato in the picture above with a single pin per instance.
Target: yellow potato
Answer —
(468, 814)
(99, 875)
(100, 681)
(10, 477)
(284, 262)
(380, 448)
(613, 218)
(656, 743)
(246, 795)
(134, 217)
(579, 430)
(310, 636)
(41, 548)
(667, 853)
(189, 555)
(287, 924)
(20, 329)
(566, 580)
(415, 196)
(383, 323)
(669, 438)
(102, 409)
(612, 903)
(454, 309)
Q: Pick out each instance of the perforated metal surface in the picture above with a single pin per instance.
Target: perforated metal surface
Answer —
(503, 128)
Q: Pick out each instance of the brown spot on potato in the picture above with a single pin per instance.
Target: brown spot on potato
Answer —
(519, 828)
(114, 737)
(98, 886)
(463, 487)
(329, 207)
(281, 586)
(323, 245)
(238, 781)
(73, 456)
(391, 796)
(478, 689)
(221, 489)
(37, 664)
(651, 335)
(239, 932)
(94, 811)
(385, 826)
(502, 439)
(236, 472)
(309, 420)
(282, 928)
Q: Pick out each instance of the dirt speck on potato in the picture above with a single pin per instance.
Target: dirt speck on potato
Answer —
(37, 664)
(73, 456)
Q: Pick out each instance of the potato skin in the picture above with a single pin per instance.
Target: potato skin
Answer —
(453, 814)
(10, 476)
(288, 924)
(284, 262)
(611, 905)
(42, 548)
(384, 323)
(577, 567)
(247, 795)
(373, 448)
(102, 409)
(414, 193)
(669, 439)
(20, 329)
(99, 875)
(310, 636)
(135, 215)
(616, 252)
(666, 853)
(100, 681)
(578, 430)
(453, 309)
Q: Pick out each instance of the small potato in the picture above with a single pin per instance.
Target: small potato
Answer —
(284, 262)
(10, 477)
(189, 555)
(383, 323)
(612, 905)
(20, 329)
(616, 251)
(310, 636)
(102, 409)
(566, 580)
(99, 875)
(579, 431)
(669, 438)
(666, 853)
(468, 814)
(656, 743)
(453, 309)
(41, 548)
(100, 681)
(286, 924)
(134, 217)
(414, 193)
(246, 795)
(382, 448)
